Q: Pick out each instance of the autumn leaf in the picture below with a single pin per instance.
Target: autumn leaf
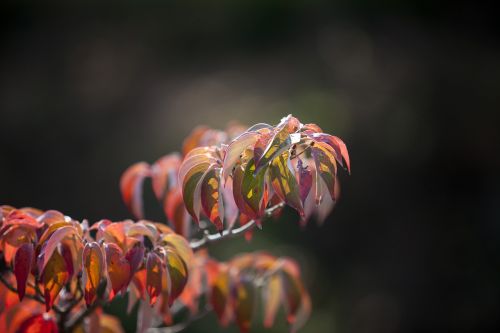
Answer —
(211, 197)
(154, 274)
(284, 182)
(178, 273)
(281, 141)
(93, 271)
(234, 150)
(38, 324)
(305, 180)
(326, 166)
(220, 295)
(54, 277)
(131, 187)
(118, 269)
(271, 296)
(164, 174)
(243, 296)
(22, 267)
(177, 214)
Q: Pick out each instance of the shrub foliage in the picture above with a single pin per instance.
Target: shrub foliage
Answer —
(57, 272)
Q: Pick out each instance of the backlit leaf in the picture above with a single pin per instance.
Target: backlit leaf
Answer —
(93, 264)
(305, 180)
(154, 275)
(177, 214)
(178, 274)
(325, 166)
(131, 187)
(284, 182)
(211, 198)
(280, 142)
(54, 240)
(191, 189)
(181, 245)
(234, 150)
(164, 174)
(253, 188)
(22, 267)
(40, 323)
(54, 277)
(118, 269)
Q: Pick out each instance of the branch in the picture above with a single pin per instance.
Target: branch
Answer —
(229, 233)
(37, 298)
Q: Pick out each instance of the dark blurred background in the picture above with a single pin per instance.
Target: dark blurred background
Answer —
(413, 89)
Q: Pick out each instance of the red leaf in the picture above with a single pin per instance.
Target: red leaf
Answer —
(135, 256)
(164, 174)
(38, 324)
(131, 187)
(176, 213)
(118, 269)
(22, 267)
(305, 180)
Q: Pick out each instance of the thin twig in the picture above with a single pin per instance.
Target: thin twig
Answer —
(210, 238)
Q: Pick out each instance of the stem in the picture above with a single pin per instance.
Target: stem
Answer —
(37, 297)
(229, 233)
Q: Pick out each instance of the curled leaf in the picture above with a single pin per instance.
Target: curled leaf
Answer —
(234, 150)
(131, 187)
(164, 174)
(177, 214)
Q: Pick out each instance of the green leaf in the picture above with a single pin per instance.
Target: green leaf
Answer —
(178, 273)
(326, 166)
(211, 197)
(284, 183)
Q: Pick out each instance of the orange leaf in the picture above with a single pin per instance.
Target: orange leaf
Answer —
(54, 277)
(154, 275)
(118, 269)
(93, 271)
(131, 187)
